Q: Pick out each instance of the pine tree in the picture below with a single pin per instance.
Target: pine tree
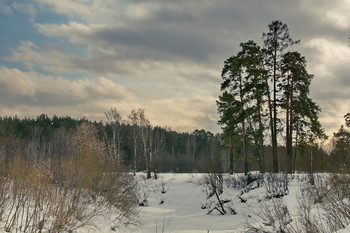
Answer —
(275, 41)
(301, 120)
(241, 103)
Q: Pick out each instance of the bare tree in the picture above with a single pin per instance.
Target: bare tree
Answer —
(114, 120)
(145, 131)
(134, 122)
(158, 139)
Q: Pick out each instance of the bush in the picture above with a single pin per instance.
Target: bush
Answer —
(66, 193)
(276, 184)
(323, 207)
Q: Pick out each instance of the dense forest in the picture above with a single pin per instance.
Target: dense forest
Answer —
(161, 149)
(131, 143)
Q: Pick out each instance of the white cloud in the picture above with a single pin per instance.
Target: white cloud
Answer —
(140, 11)
(30, 94)
(77, 7)
(26, 88)
(73, 30)
(96, 11)
(331, 53)
(166, 56)
(329, 13)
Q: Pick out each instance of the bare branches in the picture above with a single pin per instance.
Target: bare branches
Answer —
(66, 193)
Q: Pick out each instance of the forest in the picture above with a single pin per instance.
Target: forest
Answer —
(45, 137)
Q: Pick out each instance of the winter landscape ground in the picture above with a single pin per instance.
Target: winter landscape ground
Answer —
(182, 208)
(175, 203)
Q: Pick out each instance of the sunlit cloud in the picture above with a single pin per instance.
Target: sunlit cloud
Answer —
(164, 56)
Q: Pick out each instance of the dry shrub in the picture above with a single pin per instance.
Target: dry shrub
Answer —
(322, 208)
(67, 193)
(34, 203)
(334, 198)
(309, 216)
(276, 184)
(274, 217)
(213, 186)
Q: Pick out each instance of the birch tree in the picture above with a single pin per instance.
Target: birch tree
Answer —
(134, 122)
(114, 120)
(142, 131)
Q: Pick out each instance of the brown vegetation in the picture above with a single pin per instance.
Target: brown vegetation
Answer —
(65, 193)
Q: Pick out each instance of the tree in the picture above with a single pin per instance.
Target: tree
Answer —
(158, 139)
(241, 104)
(275, 41)
(133, 120)
(142, 130)
(145, 132)
(341, 148)
(114, 120)
(232, 101)
(258, 86)
(258, 94)
(301, 120)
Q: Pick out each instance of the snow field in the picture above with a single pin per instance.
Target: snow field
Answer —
(175, 205)
(182, 210)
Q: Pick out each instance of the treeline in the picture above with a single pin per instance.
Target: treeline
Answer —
(133, 142)
(139, 146)
(171, 151)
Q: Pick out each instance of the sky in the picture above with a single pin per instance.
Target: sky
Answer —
(80, 58)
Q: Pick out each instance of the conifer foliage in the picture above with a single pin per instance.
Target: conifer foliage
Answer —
(265, 99)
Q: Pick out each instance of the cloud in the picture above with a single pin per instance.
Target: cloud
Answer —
(331, 86)
(77, 9)
(330, 14)
(32, 89)
(28, 8)
(4, 8)
(30, 94)
(169, 54)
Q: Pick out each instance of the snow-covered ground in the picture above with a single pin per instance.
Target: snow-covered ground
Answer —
(182, 210)
(175, 205)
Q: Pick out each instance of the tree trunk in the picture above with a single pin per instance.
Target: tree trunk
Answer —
(288, 126)
(231, 155)
(295, 151)
(261, 139)
(275, 164)
(148, 161)
(135, 157)
(245, 153)
(271, 124)
(261, 150)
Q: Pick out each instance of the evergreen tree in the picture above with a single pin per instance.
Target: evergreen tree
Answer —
(301, 120)
(341, 148)
(257, 89)
(241, 103)
(275, 41)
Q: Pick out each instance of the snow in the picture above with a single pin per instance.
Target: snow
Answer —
(174, 205)
(181, 211)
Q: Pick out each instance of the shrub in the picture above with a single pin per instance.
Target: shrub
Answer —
(66, 193)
